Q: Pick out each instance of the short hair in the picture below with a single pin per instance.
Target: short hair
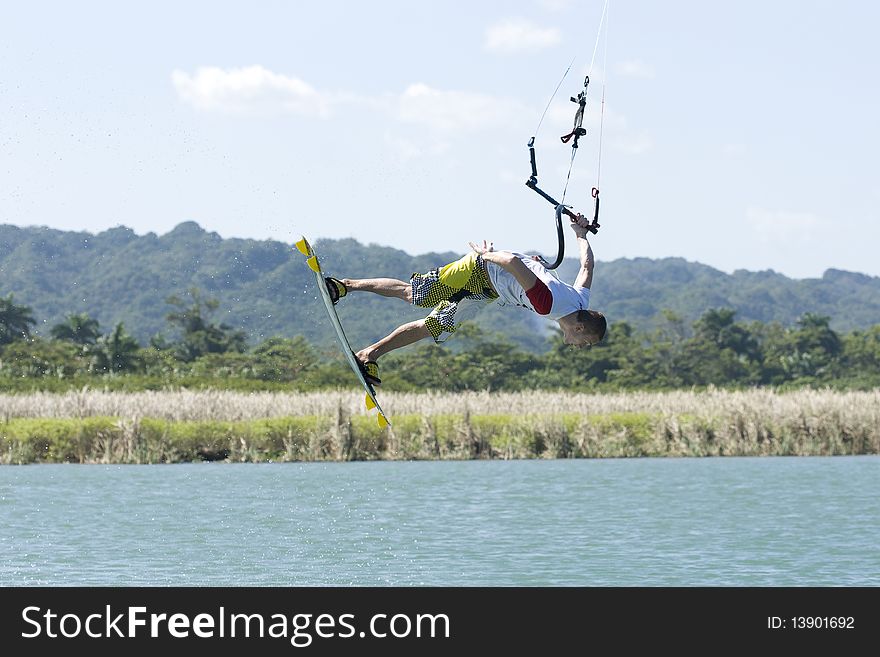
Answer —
(595, 323)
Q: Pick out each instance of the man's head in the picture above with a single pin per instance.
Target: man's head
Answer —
(583, 328)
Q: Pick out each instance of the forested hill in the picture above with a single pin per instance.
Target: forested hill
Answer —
(265, 288)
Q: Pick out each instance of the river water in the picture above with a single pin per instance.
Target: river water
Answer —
(767, 521)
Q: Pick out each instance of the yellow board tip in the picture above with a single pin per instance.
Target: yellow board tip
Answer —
(313, 264)
(303, 246)
(369, 402)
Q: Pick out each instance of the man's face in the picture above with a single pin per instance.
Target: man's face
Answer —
(576, 335)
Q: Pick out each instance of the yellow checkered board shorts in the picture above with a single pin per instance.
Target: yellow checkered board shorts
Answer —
(451, 291)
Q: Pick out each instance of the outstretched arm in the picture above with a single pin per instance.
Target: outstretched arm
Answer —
(584, 277)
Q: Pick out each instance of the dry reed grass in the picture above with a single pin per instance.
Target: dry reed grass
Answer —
(184, 425)
(858, 407)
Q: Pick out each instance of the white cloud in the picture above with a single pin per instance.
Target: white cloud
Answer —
(249, 90)
(449, 111)
(781, 226)
(257, 91)
(635, 68)
(518, 35)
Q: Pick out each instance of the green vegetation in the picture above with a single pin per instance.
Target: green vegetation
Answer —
(341, 436)
(280, 365)
(265, 289)
(715, 350)
(87, 426)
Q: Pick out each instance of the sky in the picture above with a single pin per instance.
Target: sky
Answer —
(738, 135)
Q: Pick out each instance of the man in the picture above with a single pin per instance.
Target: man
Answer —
(483, 275)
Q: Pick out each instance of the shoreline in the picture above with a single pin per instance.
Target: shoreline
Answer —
(184, 426)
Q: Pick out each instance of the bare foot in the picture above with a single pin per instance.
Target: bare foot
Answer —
(365, 355)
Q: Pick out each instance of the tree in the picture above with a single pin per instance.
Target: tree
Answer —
(717, 326)
(116, 352)
(861, 357)
(814, 334)
(815, 347)
(616, 357)
(773, 341)
(283, 359)
(78, 328)
(15, 321)
(721, 351)
(36, 358)
(200, 336)
(664, 357)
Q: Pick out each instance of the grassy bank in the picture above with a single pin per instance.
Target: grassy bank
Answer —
(174, 426)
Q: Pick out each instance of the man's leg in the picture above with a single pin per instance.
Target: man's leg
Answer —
(400, 337)
(387, 287)
(426, 290)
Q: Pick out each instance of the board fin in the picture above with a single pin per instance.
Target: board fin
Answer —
(303, 247)
(313, 264)
(380, 418)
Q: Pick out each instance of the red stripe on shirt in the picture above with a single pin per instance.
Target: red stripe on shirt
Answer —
(540, 297)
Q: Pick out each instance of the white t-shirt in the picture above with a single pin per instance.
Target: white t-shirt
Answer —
(566, 298)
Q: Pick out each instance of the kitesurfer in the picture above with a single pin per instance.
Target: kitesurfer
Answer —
(481, 276)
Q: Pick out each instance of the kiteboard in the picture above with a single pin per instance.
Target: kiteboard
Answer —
(306, 249)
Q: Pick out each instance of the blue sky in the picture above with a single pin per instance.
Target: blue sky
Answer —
(739, 135)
